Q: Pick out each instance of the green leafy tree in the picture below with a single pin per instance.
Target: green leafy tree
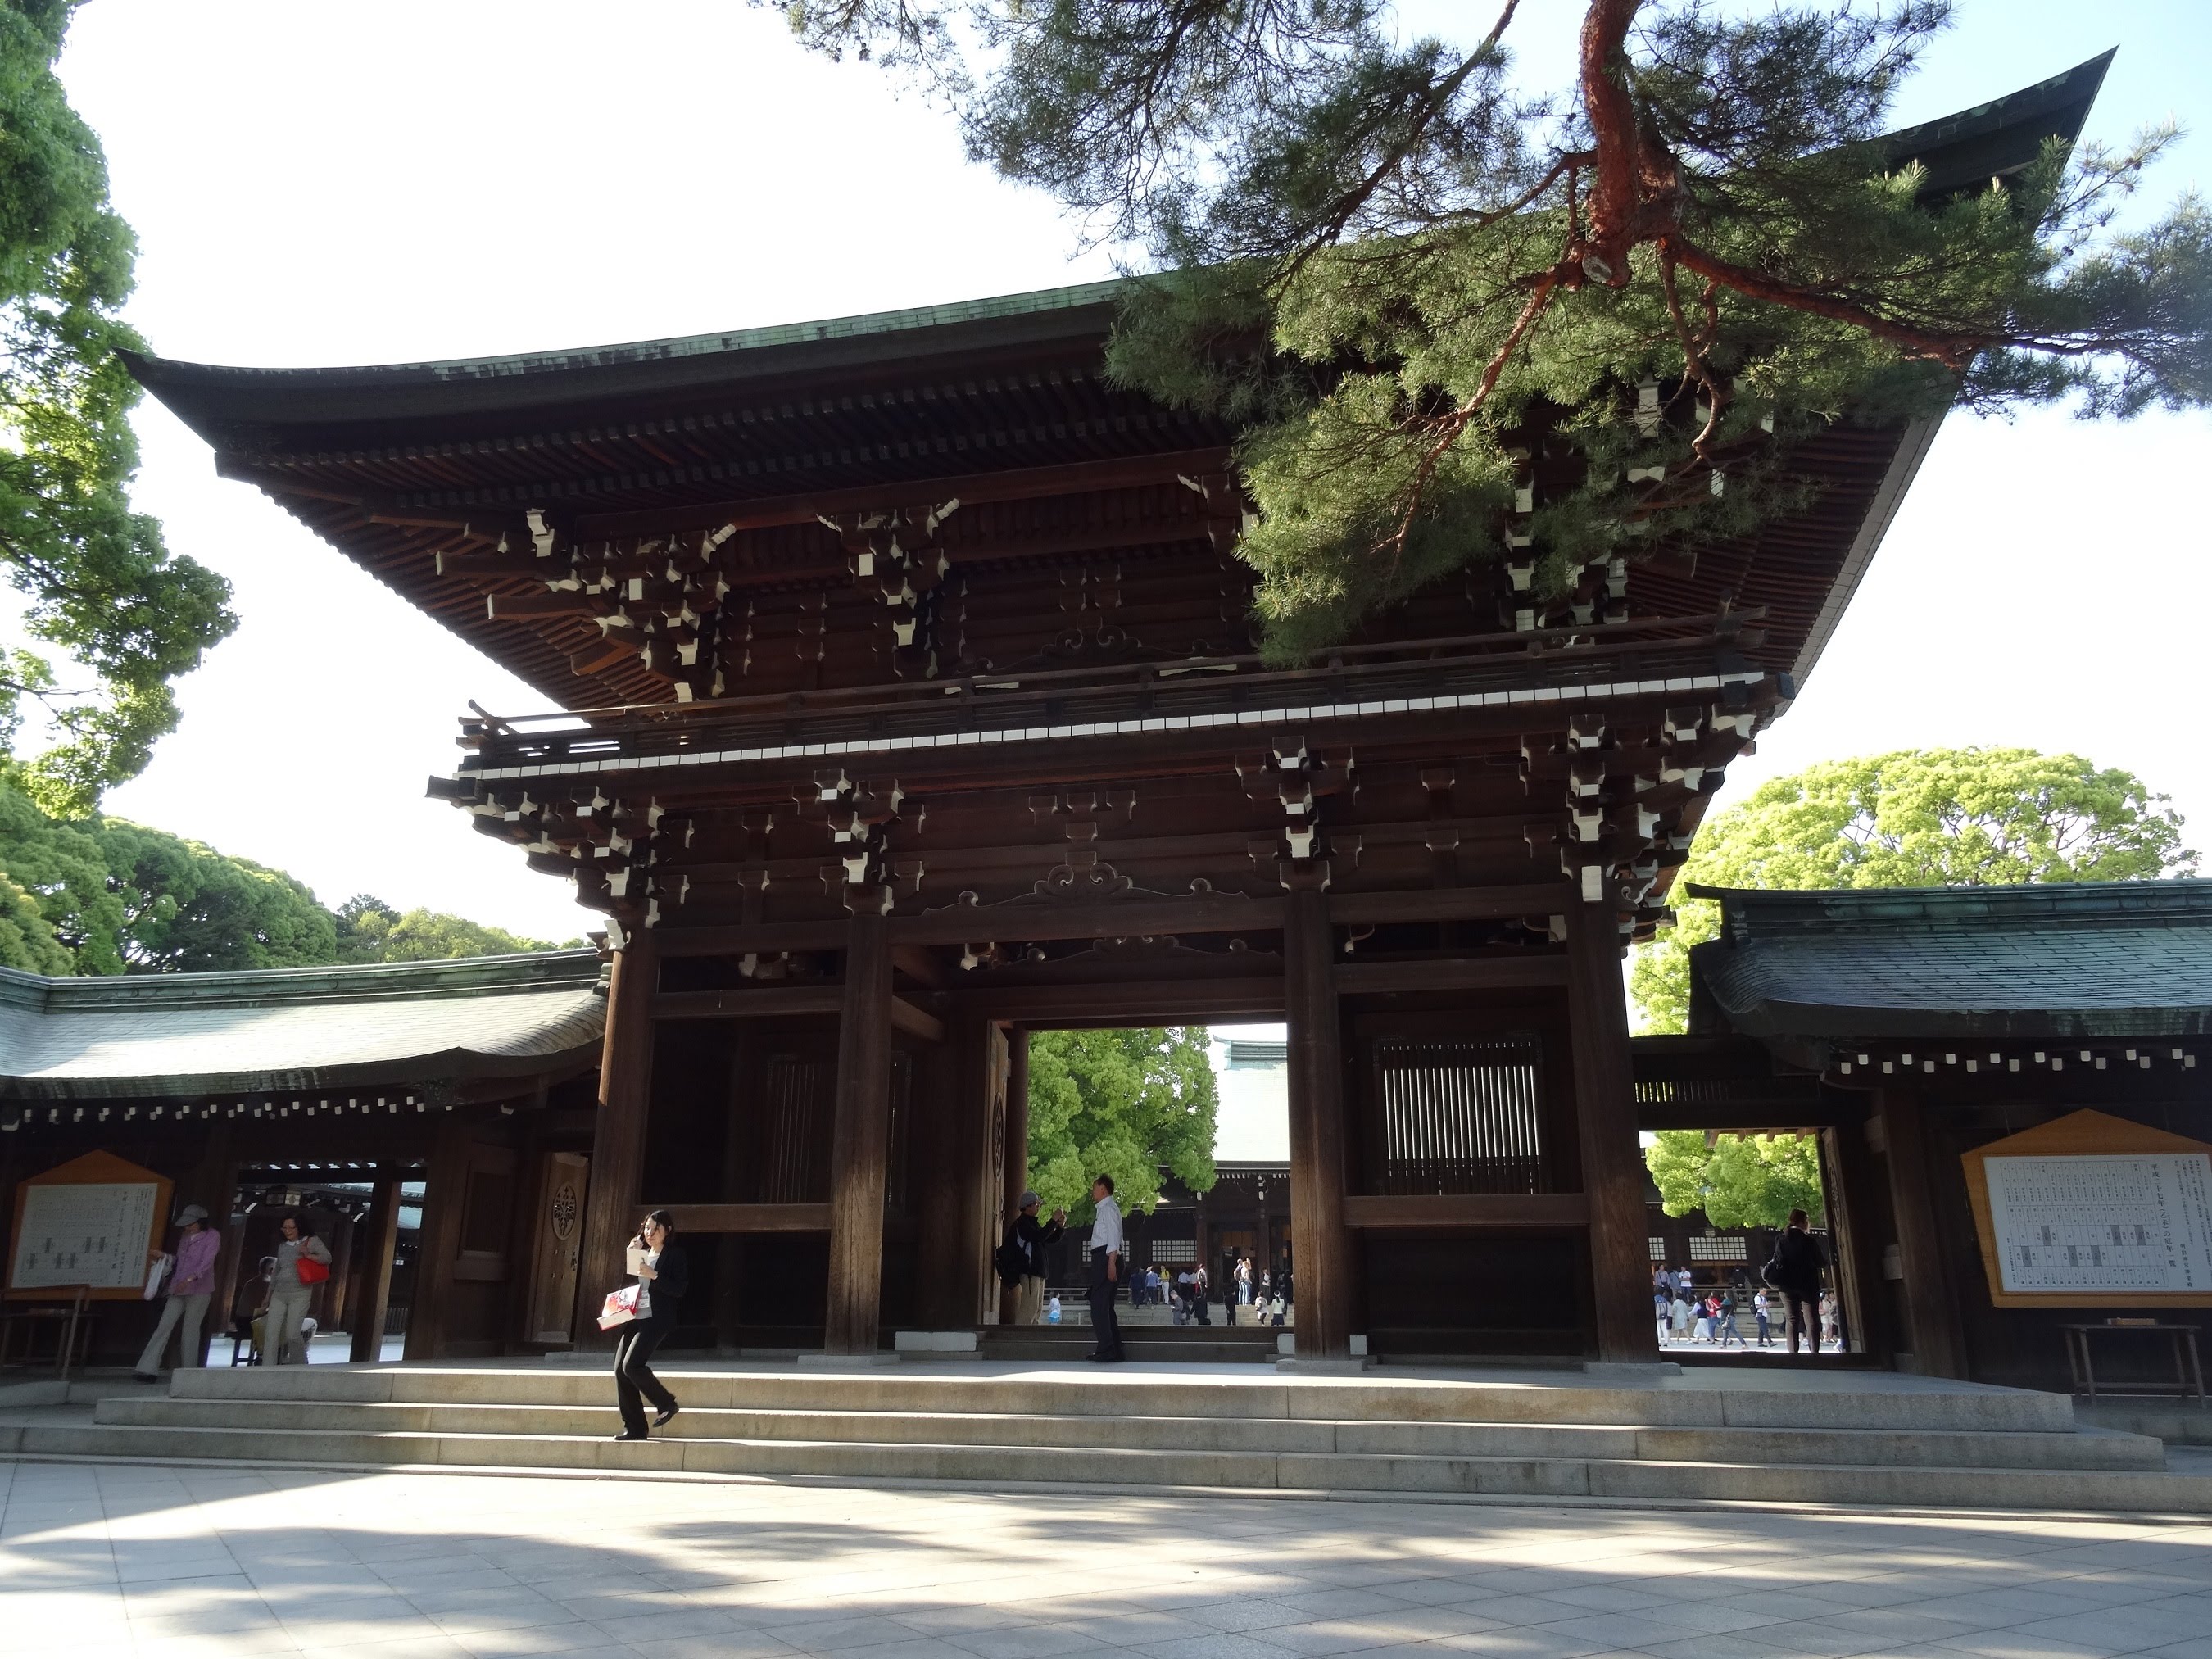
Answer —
(1920, 817)
(370, 930)
(127, 616)
(101, 895)
(1404, 278)
(1738, 1180)
(1123, 1104)
(26, 940)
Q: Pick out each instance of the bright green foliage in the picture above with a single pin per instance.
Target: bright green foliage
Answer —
(370, 930)
(1122, 1103)
(1739, 1181)
(26, 941)
(128, 617)
(1403, 280)
(101, 895)
(1923, 818)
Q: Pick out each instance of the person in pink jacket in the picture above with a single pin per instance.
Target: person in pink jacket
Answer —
(191, 1285)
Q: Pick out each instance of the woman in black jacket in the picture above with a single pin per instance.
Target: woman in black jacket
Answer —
(661, 1278)
(1795, 1270)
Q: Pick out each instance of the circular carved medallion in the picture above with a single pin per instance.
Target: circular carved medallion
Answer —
(564, 1210)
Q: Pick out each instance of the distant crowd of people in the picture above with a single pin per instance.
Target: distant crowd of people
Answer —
(1189, 1293)
(1791, 1297)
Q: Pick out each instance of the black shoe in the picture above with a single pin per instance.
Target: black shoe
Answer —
(627, 1435)
(666, 1413)
(143, 1377)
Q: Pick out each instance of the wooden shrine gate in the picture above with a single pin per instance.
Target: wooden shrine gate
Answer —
(907, 696)
(1444, 1115)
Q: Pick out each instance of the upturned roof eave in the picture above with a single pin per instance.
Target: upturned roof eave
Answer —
(215, 399)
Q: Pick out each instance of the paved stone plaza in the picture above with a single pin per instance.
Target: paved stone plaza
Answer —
(153, 1560)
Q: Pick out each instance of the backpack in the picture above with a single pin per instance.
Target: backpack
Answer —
(1011, 1261)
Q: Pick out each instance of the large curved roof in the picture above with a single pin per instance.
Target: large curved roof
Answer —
(387, 1025)
(1002, 401)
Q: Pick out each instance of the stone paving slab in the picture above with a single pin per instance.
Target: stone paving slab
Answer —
(157, 1562)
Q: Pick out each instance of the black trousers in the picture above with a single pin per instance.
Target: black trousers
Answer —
(1801, 1312)
(634, 1382)
(1105, 1326)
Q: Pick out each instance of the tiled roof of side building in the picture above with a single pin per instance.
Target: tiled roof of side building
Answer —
(2088, 959)
(175, 1035)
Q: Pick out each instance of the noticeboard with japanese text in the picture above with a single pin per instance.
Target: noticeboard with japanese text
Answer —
(90, 1222)
(2093, 1209)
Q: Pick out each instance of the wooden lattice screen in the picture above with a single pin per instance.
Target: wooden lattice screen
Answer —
(1459, 1115)
(796, 1169)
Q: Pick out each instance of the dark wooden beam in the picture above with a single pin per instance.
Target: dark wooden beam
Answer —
(917, 1023)
(1149, 1002)
(761, 1002)
(747, 1217)
(1472, 1210)
(1107, 919)
(860, 1146)
(1461, 974)
(1453, 903)
(1605, 1117)
(920, 965)
(760, 938)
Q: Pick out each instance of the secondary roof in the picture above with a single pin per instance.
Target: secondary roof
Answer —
(2063, 961)
(390, 1025)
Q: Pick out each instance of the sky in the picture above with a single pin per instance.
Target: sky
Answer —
(350, 183)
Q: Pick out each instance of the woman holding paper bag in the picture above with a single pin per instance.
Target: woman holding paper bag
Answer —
(192, 1284)
(657, 1262)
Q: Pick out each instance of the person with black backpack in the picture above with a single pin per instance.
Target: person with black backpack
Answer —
(1020, 1257)
(1794, 1269)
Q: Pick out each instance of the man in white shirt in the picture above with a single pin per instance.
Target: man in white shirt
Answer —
(1107, 1249)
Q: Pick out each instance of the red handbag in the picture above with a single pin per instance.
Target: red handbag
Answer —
(311, 1271)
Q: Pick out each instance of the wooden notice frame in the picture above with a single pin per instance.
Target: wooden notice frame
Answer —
(2088, 1135)
(93, 1169)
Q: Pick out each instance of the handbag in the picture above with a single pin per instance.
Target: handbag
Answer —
(620, 1307)
(159, 1273)
(311, 1271)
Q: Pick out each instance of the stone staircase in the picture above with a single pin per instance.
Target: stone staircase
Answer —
(1885, 1442)
(1247, 1344)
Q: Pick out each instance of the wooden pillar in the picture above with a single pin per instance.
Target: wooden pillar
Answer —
(444, 1194)
(1605, 1119)
(1857, 1265)
(1323, 1276)
(375, 1248)
(1931, 1316)
(617, 1137)
(213, 1185)
(338, 1287)
(860, 1145)
(1014, 1156)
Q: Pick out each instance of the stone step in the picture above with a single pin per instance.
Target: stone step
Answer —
(1630, 1479)
(1111, 1393)
(1199, 1347)
(1826, 1447)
